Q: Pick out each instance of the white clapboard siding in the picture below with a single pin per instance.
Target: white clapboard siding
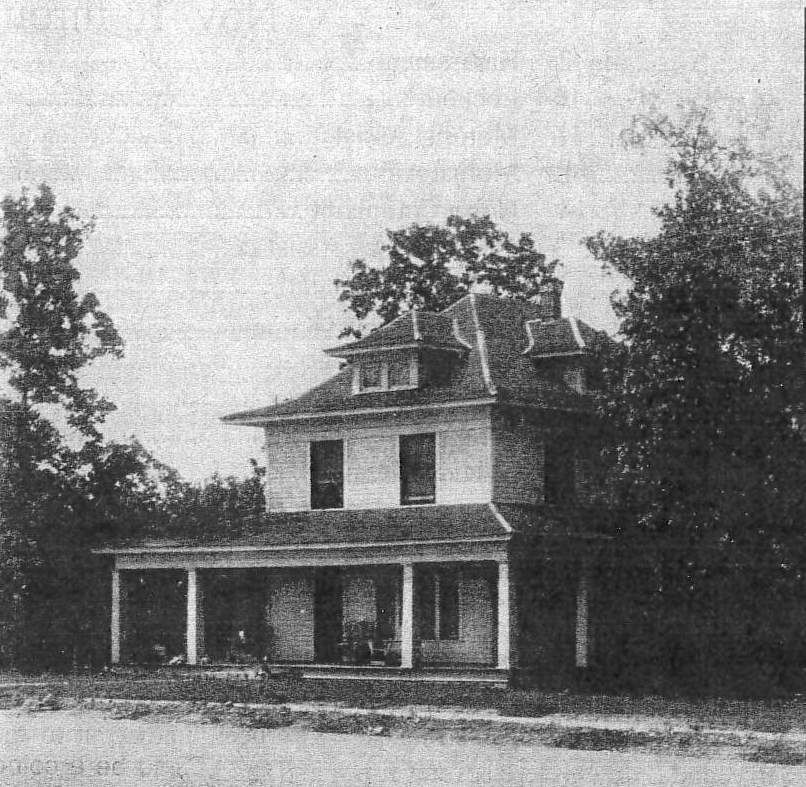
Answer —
(372, 472)
(476, 618)
(358, 599)
(518, 463)
(463, 466)
(372, 463)
(290, 613)
(287, 483)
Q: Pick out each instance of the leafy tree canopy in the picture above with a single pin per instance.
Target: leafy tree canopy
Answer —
(56, 502)
(431, 266)
(53, 332)
(706, 390)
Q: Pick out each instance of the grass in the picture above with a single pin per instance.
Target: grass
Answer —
(775, 716)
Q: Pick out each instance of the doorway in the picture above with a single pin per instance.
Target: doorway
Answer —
(327, 615)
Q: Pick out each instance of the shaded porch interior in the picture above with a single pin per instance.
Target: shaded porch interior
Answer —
(328, 615)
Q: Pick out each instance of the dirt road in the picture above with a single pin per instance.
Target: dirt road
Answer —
(74, 748)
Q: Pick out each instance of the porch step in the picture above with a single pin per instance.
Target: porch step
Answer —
(495, 680)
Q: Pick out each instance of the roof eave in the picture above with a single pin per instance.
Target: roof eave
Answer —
(347, 352)
(258, 420)
(195, 548)
(563, 354)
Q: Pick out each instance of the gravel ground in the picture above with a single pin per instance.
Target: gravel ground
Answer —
(773, 716)
(86, 748)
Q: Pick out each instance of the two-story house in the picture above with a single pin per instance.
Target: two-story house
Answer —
(432, 505)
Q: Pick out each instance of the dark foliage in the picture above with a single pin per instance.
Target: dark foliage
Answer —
(432, 266)
(705, 395)
(57, 501)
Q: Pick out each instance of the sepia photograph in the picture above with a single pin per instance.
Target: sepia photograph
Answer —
(402, 393)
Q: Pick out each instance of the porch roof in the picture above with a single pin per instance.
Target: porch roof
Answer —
(345, 527)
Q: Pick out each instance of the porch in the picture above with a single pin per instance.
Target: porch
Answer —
(376, 612)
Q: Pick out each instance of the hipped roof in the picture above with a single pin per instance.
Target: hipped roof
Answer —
(497, 343)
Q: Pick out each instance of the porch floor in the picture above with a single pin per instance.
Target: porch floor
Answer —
(469, 674)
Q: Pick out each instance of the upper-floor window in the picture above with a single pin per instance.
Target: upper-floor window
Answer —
(385, 374)
(417, 469)
(560, 473)
(327, 474)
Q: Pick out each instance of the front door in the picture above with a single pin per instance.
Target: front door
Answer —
(327, 615)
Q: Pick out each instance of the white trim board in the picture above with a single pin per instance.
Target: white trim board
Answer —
(263, 420)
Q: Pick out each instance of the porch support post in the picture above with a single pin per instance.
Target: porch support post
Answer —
(195, 625)
(115, 621)
(583, 617)
(407, 618)
(503, 615)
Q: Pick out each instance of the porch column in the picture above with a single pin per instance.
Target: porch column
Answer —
(583, 617)
(503, 615)
(195, 622)
(115, 622)
(407, 618)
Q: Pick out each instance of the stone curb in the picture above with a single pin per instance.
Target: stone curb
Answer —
(651, 726)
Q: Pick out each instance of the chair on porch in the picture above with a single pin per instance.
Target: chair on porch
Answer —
(358, 645)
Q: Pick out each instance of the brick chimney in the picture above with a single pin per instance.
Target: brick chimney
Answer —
(549, 298)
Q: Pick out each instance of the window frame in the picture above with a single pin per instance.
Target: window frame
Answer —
(312, 481)
(384, 362)
(435, 615)
(408, 363)
(409, 500)
(382, 376)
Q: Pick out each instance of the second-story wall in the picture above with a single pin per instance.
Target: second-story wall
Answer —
(518, 461)
(371, 458)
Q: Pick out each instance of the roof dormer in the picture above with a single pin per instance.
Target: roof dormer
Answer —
(390, 357)
(386, 371)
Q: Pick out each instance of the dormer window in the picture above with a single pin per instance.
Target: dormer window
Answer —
(416, 349)
(574, 378)
(395, 372)
(399, 372)
(372, 376)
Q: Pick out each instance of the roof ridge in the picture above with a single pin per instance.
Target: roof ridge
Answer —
(457, 302)
(531, 336)
(457, 335)
(497, 514)
(482, 344)
(414, 327)
(392, 322)
(574, 323)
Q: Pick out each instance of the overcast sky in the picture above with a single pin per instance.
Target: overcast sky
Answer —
(239, 154)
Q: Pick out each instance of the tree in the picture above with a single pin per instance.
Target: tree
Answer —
(47, 510)
(431, 266)
(54, 333)
(27, 487)
(219, 506)
(57, 502)
(705, 391)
